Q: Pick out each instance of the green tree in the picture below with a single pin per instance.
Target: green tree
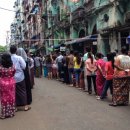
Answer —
(2, 48)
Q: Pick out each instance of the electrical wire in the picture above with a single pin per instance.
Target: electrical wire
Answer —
(8, 10)
(49, 14)
(54, 15)
(69, 40)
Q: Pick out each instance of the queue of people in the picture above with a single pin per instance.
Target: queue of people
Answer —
(101, 73)
(17, 71)
(15, 82)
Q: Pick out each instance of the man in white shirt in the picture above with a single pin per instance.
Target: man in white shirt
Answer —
(20, 65)
(59, 64)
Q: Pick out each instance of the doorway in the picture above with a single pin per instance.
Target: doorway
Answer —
(106, 46)
(124, 35)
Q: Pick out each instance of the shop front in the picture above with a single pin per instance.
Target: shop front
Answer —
(81, 43)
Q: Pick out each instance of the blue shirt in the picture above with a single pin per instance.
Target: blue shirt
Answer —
(20, 65)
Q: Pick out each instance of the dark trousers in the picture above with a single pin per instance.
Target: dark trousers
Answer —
(77, 74)
(71, 71)
(108, 83)
(93, 78)
(66, 75)
(21, 94)
(60, 69)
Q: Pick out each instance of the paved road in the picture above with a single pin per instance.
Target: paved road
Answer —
(59, 107)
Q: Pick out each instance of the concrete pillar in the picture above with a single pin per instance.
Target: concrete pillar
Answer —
(99, 43)
(113, 41)
(71, 32)
(101, 47)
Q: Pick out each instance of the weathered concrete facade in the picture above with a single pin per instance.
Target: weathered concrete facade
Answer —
(66, 20)
(50, 23)
(27, 23)
(112, 24)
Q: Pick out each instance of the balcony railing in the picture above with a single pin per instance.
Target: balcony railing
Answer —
(78, 14)
(64, 15)
(56, 19)
(76, 6)
(89, 4)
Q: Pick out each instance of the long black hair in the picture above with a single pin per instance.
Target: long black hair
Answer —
(124, 50)
(91, 57)
(13, 49)
(99, 55)
(78, 58)
(6, 61)
(49, 60)
(110, 57)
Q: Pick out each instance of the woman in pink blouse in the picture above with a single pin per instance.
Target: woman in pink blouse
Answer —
(90, 72)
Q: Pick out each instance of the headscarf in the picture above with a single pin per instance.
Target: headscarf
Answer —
(21, 52)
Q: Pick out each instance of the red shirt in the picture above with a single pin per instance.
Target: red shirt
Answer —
(109, 70)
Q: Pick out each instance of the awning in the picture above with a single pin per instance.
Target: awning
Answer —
(32, 50)
(35, 9)
(35, 37)
(56, 46)
(87, 38)
(50, 49)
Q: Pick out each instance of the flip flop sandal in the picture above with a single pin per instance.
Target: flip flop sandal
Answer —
(113, 105)
(80, 88)
(1, 117)
(27, 108)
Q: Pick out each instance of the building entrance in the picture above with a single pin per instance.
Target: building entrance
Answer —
(124, 35)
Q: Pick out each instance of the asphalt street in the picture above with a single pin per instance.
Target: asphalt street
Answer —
(57, 106)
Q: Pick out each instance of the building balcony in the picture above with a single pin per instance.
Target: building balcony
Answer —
(65, 23)
(64, 13)
(88, 5)
(35, 9)
(29, 17)
(54, 3)
(78, 14)
(104, 5)
(77, 5)
(48, 32)
(27, 8)
(24, 28)
(87, 1)
(44, 15)
(56, 20)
